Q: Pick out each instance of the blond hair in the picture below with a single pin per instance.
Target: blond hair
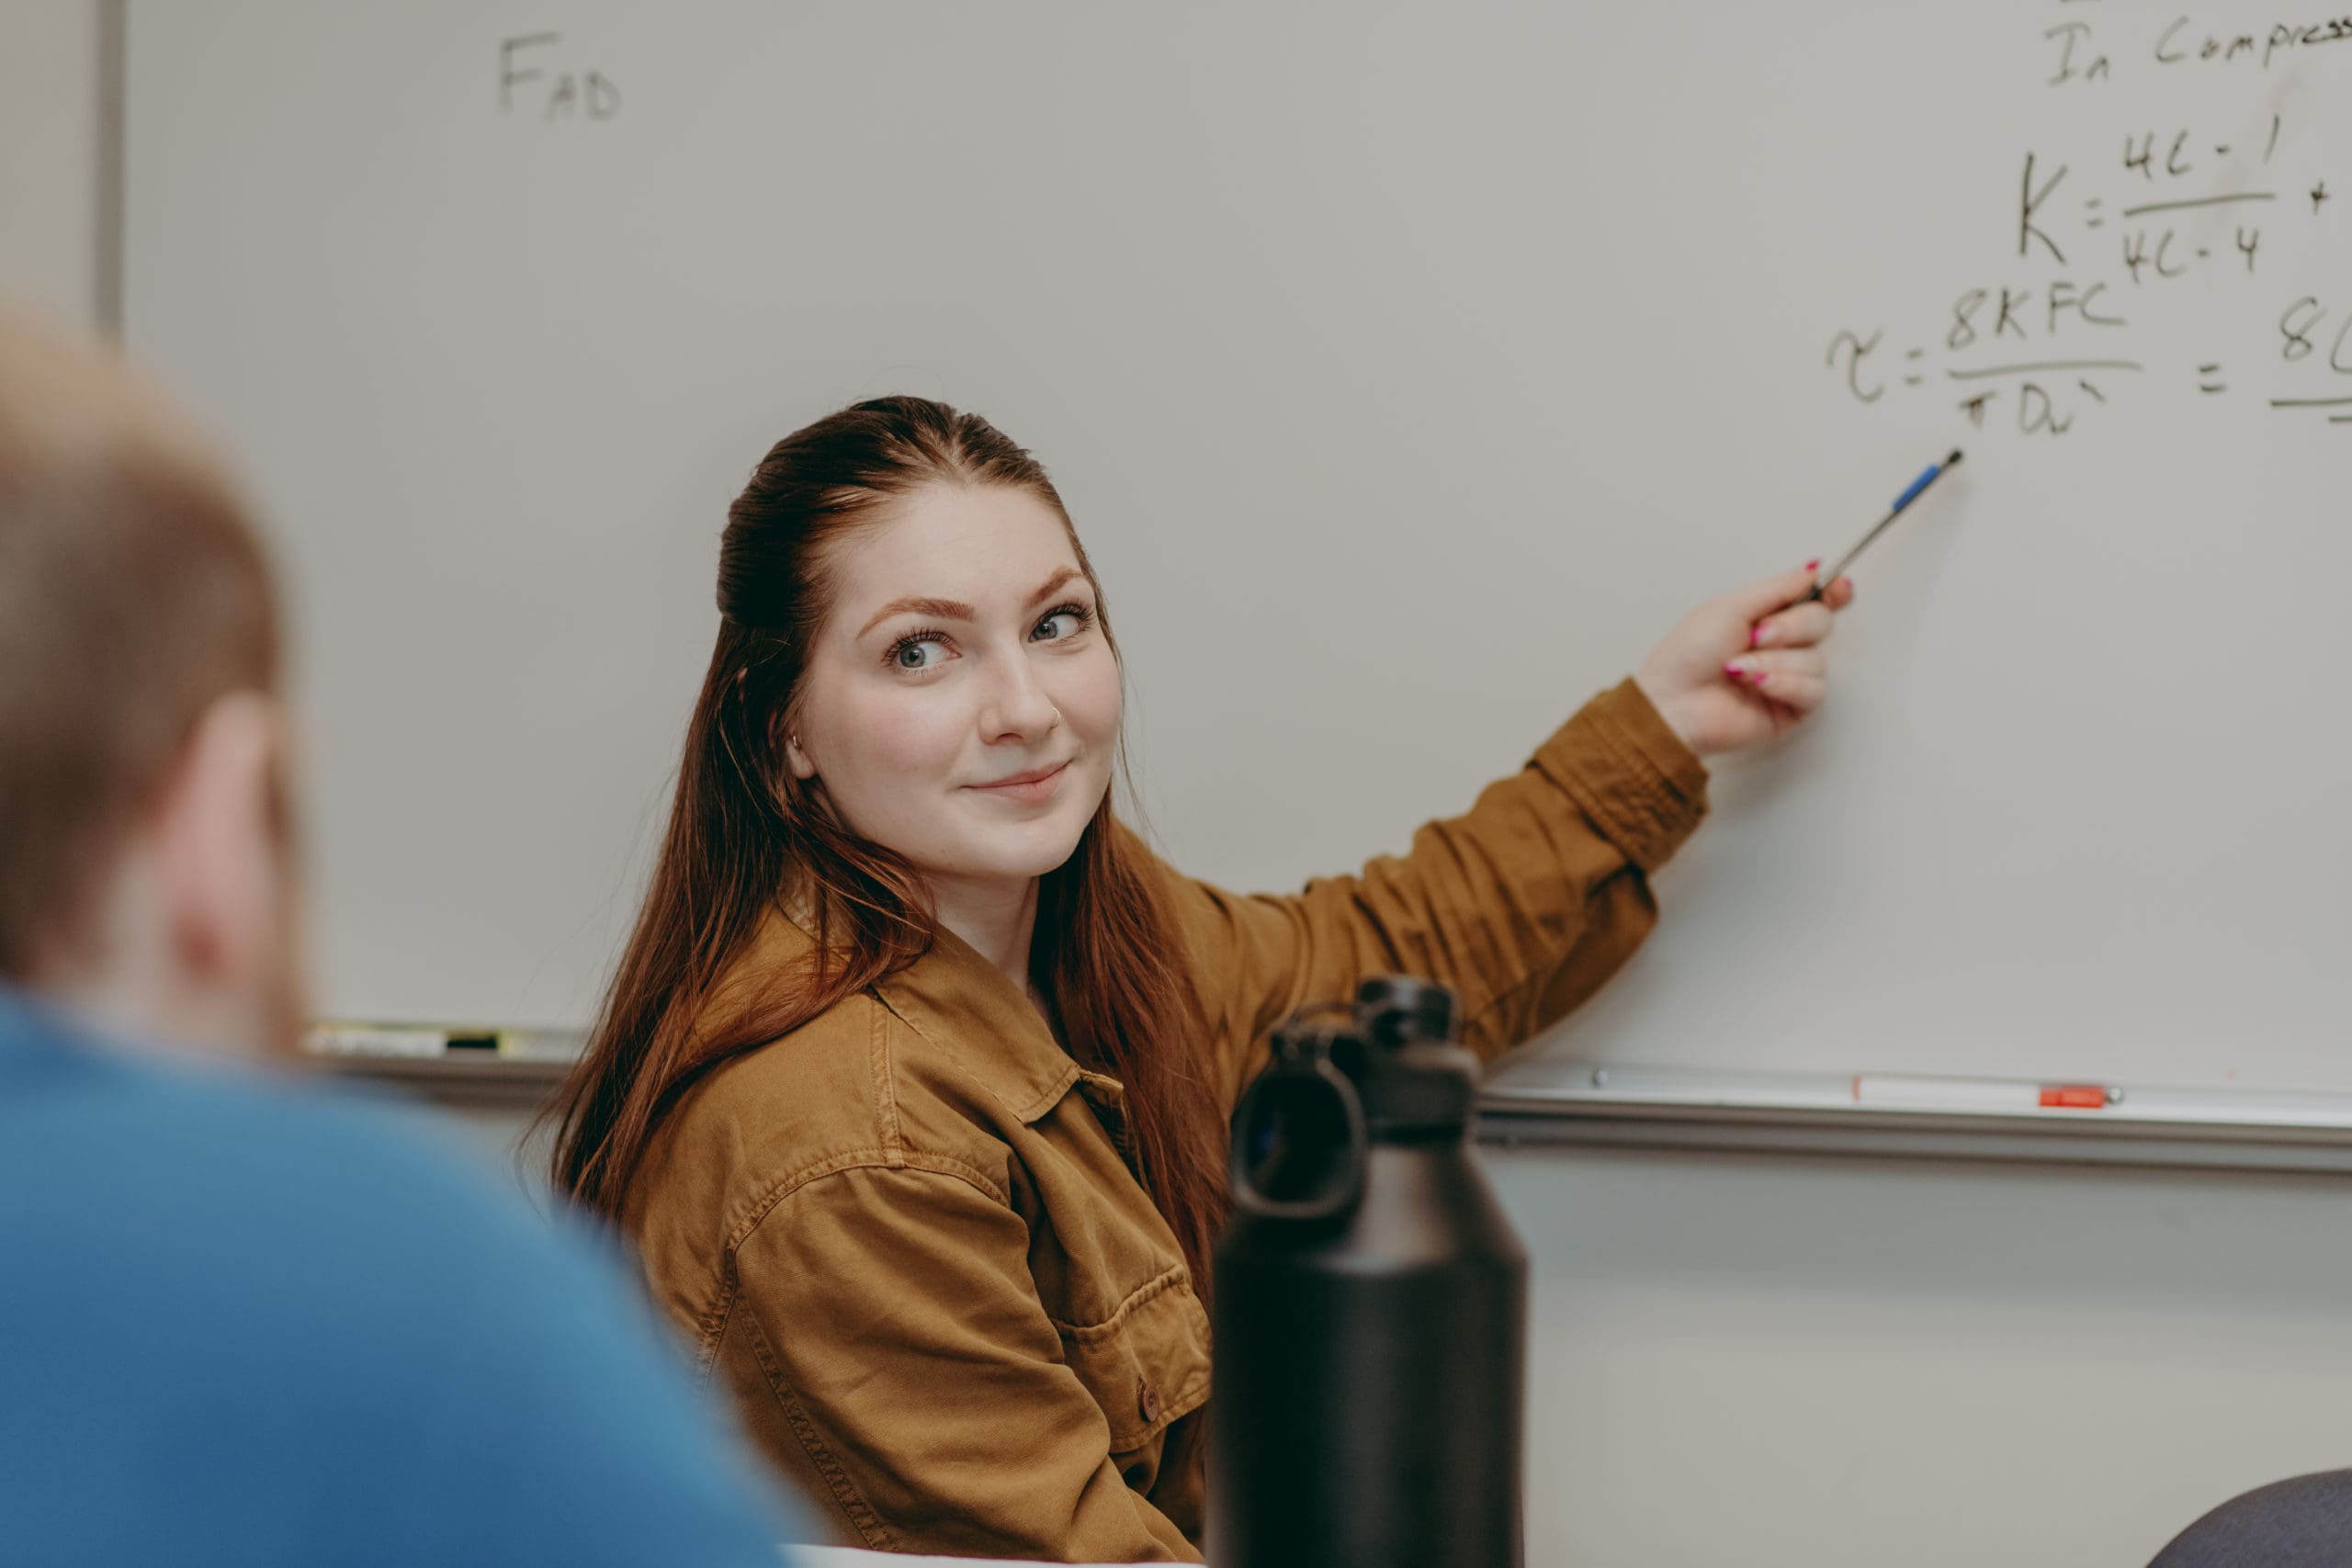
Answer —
(133, 595)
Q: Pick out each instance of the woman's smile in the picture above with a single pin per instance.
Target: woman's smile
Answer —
(1031, 788)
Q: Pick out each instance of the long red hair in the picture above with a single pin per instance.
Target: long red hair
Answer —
(745, 835)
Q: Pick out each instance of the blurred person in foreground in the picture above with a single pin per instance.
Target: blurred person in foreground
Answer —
(242, 1322)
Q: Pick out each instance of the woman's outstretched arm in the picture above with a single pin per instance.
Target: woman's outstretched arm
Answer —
(1526, 903)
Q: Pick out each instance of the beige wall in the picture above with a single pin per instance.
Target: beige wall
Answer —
(1849, 1362)
(52, 157)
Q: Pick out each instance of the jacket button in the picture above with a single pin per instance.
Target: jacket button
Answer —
(1146, 1400)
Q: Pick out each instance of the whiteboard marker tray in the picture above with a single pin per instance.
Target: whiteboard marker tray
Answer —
(1551, 1102)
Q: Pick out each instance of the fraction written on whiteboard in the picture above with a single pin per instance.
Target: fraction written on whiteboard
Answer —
(2101, 241)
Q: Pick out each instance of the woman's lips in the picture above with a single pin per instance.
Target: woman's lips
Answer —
(1037, 784)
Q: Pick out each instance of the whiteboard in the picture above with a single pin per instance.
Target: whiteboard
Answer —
(1407, 371)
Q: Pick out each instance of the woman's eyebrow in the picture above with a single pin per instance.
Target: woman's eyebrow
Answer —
(938, 609)
(1053, 584)
(956, 609)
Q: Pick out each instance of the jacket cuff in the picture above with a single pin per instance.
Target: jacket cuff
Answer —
(1630, 773)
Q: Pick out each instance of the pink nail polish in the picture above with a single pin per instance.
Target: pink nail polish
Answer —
(1753, 634)
(1734, 672)
(1812, 566)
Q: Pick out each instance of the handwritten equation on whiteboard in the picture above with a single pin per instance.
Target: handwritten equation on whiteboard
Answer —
(2164, 218)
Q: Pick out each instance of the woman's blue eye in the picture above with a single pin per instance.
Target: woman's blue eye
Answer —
(914, 653)
(1074, 617)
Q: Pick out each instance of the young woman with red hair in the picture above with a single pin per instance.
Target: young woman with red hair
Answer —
(912, 1085)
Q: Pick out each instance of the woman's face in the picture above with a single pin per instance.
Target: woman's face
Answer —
(961, 704)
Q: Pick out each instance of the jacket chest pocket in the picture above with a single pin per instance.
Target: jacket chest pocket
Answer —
(1147, 1364)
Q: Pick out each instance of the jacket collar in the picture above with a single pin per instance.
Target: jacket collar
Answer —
(966, 1007)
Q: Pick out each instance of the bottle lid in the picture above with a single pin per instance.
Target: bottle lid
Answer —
(1413, 1078)
(1299, 1134)
(1397, 1009)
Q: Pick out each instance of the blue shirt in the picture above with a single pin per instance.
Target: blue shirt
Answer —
(247, 1324)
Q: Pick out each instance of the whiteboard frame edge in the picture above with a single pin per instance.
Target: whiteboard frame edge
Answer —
(1523, 1118)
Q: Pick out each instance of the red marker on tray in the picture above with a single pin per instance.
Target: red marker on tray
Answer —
(1906, 1091)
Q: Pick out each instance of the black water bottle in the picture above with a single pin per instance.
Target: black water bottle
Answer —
(1371, 1308)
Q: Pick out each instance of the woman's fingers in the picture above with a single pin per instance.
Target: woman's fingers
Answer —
(1758, 600)
(1782, 613)
(1760, 669)
(1800, 626)
(1770, 632)
(1798, 693)
(1795, 678)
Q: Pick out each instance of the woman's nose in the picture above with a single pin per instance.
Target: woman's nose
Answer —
(1017, 707)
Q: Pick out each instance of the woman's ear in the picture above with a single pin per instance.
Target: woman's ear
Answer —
(795, 757)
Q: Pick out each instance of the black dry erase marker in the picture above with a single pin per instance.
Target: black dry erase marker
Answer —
(1918, 487)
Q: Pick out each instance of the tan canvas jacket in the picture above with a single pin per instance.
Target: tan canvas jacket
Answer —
(907, 1238)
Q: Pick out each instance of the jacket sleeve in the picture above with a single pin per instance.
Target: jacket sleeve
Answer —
(902, 1334)
(1522, 905)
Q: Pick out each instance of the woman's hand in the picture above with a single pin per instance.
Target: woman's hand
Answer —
(1741, 669)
